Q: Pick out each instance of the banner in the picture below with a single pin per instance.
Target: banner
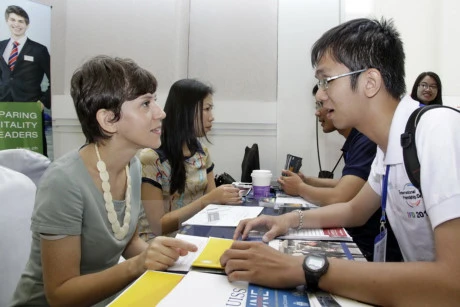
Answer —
(21, 126)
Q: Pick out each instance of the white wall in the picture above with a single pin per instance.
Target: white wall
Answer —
(255, 53)
(300, 25)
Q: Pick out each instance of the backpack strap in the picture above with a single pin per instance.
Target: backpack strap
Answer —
(411, 161)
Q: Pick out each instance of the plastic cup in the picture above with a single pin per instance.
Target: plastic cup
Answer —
(261, 182)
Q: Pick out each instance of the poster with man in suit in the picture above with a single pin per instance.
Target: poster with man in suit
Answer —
(24, 65)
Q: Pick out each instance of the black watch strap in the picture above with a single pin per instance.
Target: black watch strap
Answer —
(312, 277)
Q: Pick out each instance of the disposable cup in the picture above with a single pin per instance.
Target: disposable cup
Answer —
(261, 182)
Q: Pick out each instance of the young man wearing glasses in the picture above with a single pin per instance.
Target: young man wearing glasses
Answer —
(360, 65)
(358, 153)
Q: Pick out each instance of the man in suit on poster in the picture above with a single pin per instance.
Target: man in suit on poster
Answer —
(24, 63)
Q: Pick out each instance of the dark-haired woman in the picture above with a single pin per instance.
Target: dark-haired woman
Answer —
(177, 178)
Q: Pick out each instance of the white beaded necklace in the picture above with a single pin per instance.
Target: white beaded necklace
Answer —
(119, 231)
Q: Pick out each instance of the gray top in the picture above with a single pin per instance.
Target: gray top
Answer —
(69, 203)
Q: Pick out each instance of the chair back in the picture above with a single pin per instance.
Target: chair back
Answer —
(17, 196)
(30, 163)
(250, 162)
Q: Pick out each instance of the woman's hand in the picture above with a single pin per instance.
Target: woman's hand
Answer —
(225, 194)
(163, 252)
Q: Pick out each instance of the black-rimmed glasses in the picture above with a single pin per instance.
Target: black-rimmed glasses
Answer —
(425, 86)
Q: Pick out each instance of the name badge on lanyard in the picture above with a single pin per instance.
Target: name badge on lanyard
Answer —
(380, 242)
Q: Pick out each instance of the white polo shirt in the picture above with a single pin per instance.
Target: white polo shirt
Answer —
(412, 217)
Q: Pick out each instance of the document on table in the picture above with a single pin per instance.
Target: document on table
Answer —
(207, 256)
(184, 263)
(334, 234)
(204, 289)
(223, 215)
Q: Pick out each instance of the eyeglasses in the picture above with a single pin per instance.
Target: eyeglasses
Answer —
(425, 86)
(323, 83)
(319, 105)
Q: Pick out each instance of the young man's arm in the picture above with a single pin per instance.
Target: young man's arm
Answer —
(387, 284)
(345, 189)
(321, 182)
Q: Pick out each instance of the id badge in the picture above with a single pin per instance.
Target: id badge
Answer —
(380, 246)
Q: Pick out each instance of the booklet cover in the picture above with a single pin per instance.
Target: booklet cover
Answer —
(344, 250)
(203, 289)
(147, 290)
(210, 256)
(293, 163)
(333, 234)
(206, 258)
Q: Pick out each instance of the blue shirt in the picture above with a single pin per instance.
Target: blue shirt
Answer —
(358, 152)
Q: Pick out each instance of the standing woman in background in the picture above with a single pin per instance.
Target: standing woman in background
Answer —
(427, 88)
(178, 178)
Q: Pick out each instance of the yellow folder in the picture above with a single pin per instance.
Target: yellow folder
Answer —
(147, 290)
(210, 256)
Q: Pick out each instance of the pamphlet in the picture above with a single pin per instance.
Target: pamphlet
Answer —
(343, 250)
(206, 258)
(293, 163)
(147, 290)
(210, 256)
(203, 289)
(333, 234)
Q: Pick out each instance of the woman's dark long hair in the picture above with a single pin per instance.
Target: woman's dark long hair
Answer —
(438, 98)
(183, 125)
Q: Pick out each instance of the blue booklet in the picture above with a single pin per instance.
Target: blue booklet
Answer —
(259, 296)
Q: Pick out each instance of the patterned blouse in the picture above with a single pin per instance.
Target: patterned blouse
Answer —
(156, 170)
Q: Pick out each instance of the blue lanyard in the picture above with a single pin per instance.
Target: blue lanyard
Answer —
(384, 197)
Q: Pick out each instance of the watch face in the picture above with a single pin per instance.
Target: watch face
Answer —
(315, 262)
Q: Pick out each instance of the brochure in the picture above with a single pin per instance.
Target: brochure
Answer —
(333, 234)
(206, 258)
(203, 289)
(147, 290)
(344, 250)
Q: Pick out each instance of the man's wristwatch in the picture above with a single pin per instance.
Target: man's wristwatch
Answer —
(314, 266)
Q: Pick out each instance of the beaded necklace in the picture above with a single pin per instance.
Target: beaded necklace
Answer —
(119, 231)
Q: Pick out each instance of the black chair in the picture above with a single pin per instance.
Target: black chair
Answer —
(250, 162)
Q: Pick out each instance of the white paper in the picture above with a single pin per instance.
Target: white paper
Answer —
(184, 263)
(204, 289)
(229, 216)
